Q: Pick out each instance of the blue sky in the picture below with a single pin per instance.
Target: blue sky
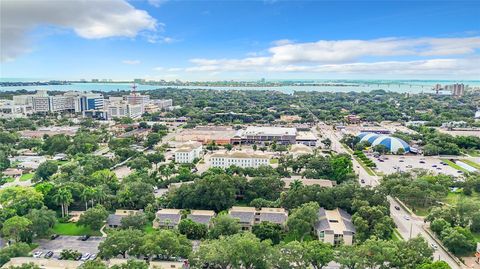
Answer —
(240, 40)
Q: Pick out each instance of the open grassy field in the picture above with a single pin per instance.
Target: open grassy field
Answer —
(453, 197)
(71, 228)
(26, 177)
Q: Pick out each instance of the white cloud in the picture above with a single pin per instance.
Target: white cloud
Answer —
(131, 62)
(157, 3)
(436, 56)
(91, 19)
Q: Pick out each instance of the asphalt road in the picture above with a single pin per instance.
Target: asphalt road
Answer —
(409, 226)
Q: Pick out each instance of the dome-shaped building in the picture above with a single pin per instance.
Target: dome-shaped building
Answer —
(393, 144)
(368, 137)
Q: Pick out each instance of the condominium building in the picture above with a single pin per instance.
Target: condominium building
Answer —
(167, 218)
(249, 216)
(137, 99)
(239, 158)
(188, 152)
(201, 216)
(335, 227)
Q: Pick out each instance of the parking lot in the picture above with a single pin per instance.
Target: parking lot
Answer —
(69, 242)
(394, 163)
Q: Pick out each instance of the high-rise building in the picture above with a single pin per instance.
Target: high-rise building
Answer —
(458, 89)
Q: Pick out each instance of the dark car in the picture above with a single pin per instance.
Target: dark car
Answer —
(85, 237)
(397, 207)
(54, 236)
(49, 254)
(78, 257)
(421, 161)
(363, 180)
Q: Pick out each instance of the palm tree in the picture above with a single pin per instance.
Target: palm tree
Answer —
(63, 197)
(87, 195)
(296, 184)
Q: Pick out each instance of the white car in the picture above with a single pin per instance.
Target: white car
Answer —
(406, 217)
(85, 257)
(93, 256)
(37, 254)
(433, 246)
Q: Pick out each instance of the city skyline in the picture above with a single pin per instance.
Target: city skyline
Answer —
(196, 40)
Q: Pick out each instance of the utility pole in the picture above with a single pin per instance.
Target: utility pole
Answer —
(410, 237)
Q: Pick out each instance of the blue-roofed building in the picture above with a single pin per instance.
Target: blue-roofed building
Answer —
(393, 144)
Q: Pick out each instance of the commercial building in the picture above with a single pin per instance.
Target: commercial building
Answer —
(306, 138)
(188, 152)
(238, 158)
(249, 216)
(221, 135)
(353, 119)
(167, 218)
(335, 227)
(262, 135)
(9, 110)
(121, 110)
(41, 102)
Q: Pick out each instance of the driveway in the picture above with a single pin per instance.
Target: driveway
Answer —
(69, 242)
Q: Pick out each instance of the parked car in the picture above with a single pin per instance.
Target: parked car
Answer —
(401, 161)
(85, 257)
(78, 257)
(37, 254)
(397, 207)
(406, 217)
(93, 256)
(362, 180)
(54, 236)
(433, 246)
(49, 254)
(85, 237)
(421, 161)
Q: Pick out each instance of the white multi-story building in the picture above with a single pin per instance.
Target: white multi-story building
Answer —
(239, 158)
(120, 110)
(8, 109)
(188, 152)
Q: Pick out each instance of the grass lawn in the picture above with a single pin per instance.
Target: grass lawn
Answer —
(454, 165)
(453, 197)
(71, 228)
(273, 161)
(421, 211)
(149, 228)
(396, 236)
(471, 163)
(10, 179)
(26, 177)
